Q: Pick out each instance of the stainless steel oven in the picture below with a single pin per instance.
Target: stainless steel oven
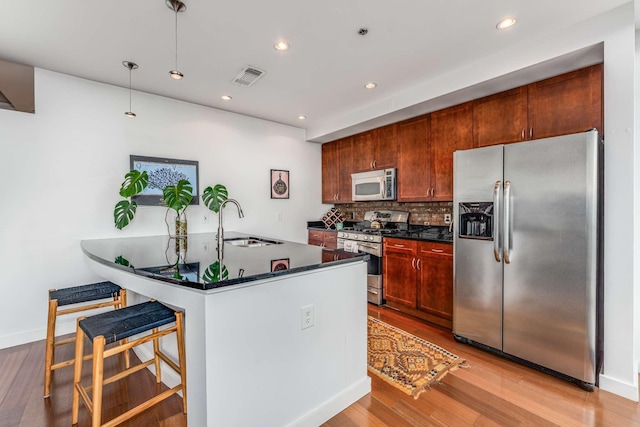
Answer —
(346, 241)
(367, 238)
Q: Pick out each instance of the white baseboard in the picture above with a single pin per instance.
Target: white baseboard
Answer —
(615, 386)
(62, 328)
(335, 405)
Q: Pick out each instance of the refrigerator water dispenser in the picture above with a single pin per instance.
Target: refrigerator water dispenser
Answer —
(476, 220)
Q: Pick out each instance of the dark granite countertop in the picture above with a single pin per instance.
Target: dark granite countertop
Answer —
(430, 234)
(198, 267)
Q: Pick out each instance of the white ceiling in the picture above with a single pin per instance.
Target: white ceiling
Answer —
(321, 76)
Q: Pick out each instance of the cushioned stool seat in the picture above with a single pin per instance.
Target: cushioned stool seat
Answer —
(76, 295)
(119, 326)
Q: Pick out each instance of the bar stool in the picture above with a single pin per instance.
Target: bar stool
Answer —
(109, 327)
(75, 295)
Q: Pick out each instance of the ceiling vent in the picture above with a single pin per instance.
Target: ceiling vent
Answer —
(248, 76)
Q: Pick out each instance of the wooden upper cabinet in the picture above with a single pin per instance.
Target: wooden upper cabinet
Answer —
(451, 129)
(329, 172)
(386, 147)
(345, 168)
(375, 149)
(336, 171)
(414, 163)
(566, 104)
(363, 149)
(500, 118)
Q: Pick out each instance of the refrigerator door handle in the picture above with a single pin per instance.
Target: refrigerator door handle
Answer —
(496, 222)
(507, 223)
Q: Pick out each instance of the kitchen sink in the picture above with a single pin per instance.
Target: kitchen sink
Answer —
(250, 242)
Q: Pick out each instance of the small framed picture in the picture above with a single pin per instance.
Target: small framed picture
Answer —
(280, 264)
(279, 184)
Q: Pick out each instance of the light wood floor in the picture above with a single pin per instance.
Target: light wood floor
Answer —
(492, 392)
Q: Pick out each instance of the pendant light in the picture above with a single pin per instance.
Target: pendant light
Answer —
(131, 66)
(176, 6)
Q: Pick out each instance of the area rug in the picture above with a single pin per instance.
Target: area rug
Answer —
(407, 362)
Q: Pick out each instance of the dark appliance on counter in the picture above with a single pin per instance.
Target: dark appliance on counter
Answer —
(528, 260)
(366, 237)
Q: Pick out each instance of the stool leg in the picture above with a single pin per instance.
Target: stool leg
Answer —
(77, 371)
(49, 352)
(156, 358)
(182, 359)
(98, 374)
(123, 303)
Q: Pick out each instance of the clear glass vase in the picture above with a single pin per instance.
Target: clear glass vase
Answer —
(181, 225)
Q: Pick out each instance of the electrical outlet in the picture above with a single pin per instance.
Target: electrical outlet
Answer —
(307, 316)
(279, 216)
(206, 218)
(205, 246)
(447, 218)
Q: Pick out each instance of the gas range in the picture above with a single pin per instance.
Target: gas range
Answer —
(366, 234)
(376, 224)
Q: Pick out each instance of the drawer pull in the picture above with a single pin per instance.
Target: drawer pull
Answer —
(398, 246)
(437, 250)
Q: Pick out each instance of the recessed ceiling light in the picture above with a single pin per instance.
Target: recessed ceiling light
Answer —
(371, 85)
(226, 97)
(301, 117)
(506, 23)
(281, 45)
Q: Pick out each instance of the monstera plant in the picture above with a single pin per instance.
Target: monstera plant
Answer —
(214, 196)
(178, 197)
(134, 183)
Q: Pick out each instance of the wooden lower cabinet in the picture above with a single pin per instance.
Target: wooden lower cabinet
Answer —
(399, 274)
(325, 239)
(418, 279)
(435, 281)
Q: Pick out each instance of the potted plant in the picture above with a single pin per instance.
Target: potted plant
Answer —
(178, 197)
(134, 183)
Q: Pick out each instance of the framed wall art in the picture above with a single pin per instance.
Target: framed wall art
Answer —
(163, 172)
(279, 184)
(280, 264)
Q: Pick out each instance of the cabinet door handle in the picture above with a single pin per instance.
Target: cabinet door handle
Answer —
(374, 164)
(433, 192)
(530, 133)
(418, 264)
(413, 263)
(437, 250)
(523, 134)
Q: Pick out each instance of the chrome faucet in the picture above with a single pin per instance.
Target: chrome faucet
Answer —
(220, 228)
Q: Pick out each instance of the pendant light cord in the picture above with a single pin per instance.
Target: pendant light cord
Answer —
(177, 7)
(130, 88)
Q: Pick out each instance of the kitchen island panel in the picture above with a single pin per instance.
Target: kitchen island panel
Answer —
(245, 345)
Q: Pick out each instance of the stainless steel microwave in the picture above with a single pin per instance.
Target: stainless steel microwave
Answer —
(374, 185)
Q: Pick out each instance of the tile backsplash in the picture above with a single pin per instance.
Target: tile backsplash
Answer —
(424, 213)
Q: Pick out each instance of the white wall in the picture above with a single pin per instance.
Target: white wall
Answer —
(62, 169)
(636, 181)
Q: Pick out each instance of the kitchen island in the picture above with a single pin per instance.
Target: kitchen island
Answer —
(252, 358)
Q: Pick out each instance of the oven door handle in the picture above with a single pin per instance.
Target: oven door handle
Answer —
(372, 249)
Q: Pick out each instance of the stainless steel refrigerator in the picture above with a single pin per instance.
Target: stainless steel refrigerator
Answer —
(528, 253)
